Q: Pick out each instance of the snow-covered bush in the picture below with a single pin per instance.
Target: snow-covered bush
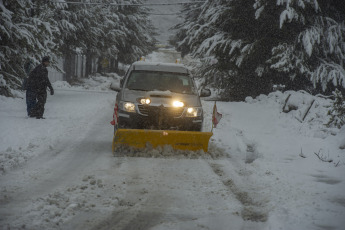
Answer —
(4, 90)
(337, 111)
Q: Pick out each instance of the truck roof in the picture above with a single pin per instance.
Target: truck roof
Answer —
(160, 66)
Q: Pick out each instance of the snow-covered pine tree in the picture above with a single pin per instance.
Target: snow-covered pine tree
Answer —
(316, 55)
(198, 35)
(32, 29)
(87, 29)
(69, 19)
(117, 33)
(183, 39)
(90, 36)
(337, 112)
(229, 31)
(26, 32)
(265, 42)
(139, 32)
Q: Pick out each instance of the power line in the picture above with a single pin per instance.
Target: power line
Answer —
(117, 4)
(163, 14)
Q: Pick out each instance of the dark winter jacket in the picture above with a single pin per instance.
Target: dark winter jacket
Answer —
(38, 80)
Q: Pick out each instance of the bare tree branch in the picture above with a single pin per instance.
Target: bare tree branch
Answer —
(322, 157)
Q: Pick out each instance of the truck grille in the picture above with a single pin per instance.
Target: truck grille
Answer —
(167, 111)
(143, 109)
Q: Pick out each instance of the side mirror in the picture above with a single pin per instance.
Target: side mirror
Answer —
(205, 93)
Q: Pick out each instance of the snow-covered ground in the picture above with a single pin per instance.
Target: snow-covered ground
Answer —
(262, 170)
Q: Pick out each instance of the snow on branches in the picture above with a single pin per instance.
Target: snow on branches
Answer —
(328, 72)
(301, 39)
(32, 29)
(324, 43)
(293, 8)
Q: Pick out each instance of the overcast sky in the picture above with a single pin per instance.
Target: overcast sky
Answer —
(164, 22)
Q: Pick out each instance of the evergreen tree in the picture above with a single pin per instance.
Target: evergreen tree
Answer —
(32, 29)
(139, 32)
(183, 40)
(337, 112)
(117, 33)
(229, 31)
(317, 53)
(261, 42)
(26, 32)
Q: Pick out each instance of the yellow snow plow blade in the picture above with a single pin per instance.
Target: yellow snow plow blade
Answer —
(183, 140)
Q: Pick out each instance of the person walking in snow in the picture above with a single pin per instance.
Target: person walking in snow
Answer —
(37, 87)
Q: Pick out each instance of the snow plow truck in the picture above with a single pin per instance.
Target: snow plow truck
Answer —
(158, 104)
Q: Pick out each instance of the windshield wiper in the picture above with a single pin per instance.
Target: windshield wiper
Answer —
(138, 89)
(182, 92)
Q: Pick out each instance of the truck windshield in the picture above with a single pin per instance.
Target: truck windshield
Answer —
(162, 81)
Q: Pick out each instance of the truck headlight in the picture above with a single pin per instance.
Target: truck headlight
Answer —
(129, 107)
(193, 112)
(145, 101)
(178, 104)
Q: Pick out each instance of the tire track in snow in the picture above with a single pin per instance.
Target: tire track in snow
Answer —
(253, 208)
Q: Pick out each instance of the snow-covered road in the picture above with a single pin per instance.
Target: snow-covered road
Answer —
(72, 181)
(262, 170)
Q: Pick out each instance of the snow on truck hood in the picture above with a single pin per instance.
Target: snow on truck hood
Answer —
(161, 97)
(160, 66)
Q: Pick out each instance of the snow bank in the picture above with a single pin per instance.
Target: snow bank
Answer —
(97, 82)
(292, 168)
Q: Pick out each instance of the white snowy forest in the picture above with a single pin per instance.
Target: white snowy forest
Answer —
(31, 29)
(245, 47)
(250, 45)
